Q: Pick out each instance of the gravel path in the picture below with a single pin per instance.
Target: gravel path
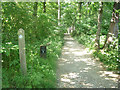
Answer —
(78, 69)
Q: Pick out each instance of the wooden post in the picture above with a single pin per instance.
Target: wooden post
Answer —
(21, 39)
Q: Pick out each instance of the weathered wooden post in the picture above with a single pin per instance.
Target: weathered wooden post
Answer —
(21, 39)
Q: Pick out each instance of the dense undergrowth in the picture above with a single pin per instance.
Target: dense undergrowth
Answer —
(85, 33)
(41, 73)
(109, 58)
(39, 30)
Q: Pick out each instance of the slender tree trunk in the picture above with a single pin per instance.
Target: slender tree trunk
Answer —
(80, 8)
(113, 30)
(119, 56)
(86, 10)
(44, 6)
(99, 26)
(35, 9)
(74, 21)
(89, 8)
(58, 12)
(117, 20)
(75, 17)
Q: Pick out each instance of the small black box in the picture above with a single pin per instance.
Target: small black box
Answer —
(43, 51)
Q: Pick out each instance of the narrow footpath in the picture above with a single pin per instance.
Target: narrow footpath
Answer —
(77, 68)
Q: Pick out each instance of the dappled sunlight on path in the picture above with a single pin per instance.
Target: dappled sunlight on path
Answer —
(78, 69)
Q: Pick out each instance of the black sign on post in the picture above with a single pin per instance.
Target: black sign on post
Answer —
(43, 51)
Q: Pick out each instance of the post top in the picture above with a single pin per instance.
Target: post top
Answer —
(20, 31)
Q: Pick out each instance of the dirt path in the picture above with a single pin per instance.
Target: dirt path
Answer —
(78, 69)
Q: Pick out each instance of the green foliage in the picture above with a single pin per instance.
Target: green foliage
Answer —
(86, 29)
(43, 30)
(69, 13)
(40, 30)
(110, 59)
(41, 72)
(86, 40)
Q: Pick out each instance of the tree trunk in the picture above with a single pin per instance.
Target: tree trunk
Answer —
(75, 17)
(44, 6)
(117, 20)
(113, 28)
(119, 55)
(35, 9)
(89, 8)
(80, 8)
(58, 12)
(86, 10)
(97, 44)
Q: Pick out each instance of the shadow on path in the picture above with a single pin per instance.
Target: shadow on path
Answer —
(78, 69)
